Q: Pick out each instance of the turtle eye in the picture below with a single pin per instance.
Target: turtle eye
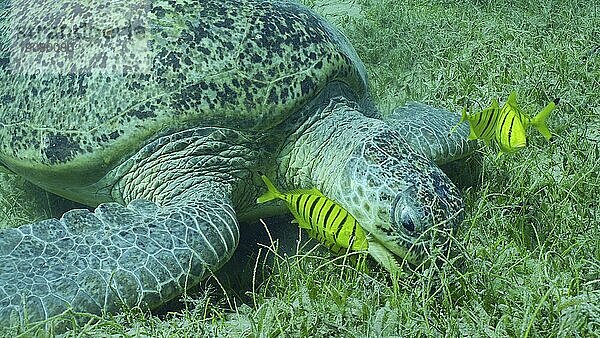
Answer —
(407, 220)
(403, 212)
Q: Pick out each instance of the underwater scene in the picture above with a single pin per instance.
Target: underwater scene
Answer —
(337, 168)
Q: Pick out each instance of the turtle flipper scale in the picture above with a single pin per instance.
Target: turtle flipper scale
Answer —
(117, 256)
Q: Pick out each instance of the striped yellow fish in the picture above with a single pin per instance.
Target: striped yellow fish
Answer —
(322, 218)
(507, 125)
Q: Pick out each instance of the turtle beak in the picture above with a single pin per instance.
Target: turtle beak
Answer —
(384, 257)
(391, 248)
(400, 239)
(390, 255)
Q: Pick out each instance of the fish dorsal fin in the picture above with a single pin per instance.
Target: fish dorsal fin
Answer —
(512, 101)
(312, 191)
(495, 104)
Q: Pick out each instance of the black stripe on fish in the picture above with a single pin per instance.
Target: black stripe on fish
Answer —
(321, 210)
(326, 217)
(502, 125)
(315, 214)
(341, 225)
(326, 225)
(353, 236)
(298, 198)
(308, 205)
(303, 210)
(521, 117)
(489, 121)
(339, 228)
(312, 206)
(510, 130)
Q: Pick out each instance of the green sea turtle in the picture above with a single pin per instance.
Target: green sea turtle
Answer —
(160, 114)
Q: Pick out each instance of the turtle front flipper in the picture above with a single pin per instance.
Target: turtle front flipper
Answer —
(432, 131)
(174, 223)
(116, 257)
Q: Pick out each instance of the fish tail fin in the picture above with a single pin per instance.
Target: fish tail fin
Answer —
(539, 121)
(272, 192)
(463, 118)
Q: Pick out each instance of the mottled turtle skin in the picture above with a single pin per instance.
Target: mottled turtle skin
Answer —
(160, 116)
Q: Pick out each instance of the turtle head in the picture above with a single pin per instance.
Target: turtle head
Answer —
(406, 204)
(425, 207)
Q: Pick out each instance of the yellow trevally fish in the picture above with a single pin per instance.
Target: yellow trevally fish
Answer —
(507, 125)
(322, 218)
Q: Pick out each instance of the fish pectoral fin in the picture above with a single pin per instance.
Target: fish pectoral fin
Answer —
(302, 224)
(472, 135)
